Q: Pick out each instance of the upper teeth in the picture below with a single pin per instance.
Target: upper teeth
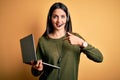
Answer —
(60, 25)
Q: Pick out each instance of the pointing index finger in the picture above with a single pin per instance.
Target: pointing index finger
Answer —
(69, 34)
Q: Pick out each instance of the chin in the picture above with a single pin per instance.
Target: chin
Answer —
(59, 28)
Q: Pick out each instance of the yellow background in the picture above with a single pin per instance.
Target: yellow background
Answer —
(98, 21)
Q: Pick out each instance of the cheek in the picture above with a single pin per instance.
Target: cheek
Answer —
(53, 21)
(65, 21)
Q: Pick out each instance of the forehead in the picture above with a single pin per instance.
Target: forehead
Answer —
(59, 11)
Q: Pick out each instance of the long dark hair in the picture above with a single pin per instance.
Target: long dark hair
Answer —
(49, 26)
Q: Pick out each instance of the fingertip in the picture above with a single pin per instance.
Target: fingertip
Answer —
(40, 61)
(32, 62)
(68, 33)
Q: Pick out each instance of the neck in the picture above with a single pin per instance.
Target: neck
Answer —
(57, 34)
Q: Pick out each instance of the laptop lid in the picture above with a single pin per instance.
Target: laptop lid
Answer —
(29, 52)
(28, 49)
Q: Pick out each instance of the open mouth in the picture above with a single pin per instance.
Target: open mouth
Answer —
(59, 25)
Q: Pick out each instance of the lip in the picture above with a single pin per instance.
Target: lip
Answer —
(59, 25)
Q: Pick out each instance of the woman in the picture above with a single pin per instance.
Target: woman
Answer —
(61, 47)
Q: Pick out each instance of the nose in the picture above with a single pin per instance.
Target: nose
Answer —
(58, 19)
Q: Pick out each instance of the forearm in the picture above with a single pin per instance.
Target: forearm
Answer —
(93, 53)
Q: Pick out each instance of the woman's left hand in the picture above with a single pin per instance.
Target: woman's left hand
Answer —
(74, 40)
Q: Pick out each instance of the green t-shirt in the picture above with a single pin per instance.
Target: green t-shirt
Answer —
(61, 53)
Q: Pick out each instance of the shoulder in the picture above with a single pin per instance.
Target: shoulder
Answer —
(42, 39)
(76, 34)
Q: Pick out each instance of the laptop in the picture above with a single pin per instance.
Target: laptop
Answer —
(29, 51)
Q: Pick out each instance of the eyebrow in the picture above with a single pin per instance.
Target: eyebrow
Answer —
(57, 15)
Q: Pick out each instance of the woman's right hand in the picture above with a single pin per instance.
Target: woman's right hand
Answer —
(38, 66)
